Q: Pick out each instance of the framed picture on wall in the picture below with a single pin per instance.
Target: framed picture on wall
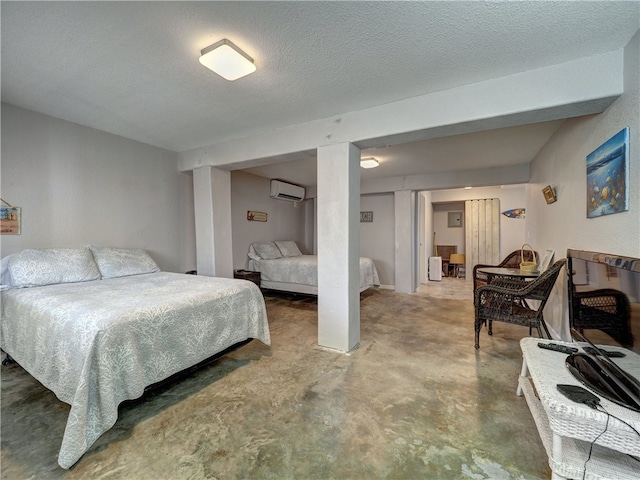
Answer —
(549, 194)
(608, 176)
(10, 220)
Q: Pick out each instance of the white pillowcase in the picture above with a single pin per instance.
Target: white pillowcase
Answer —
(288, 248)
(123, 262)
(266, 250)
(48, 266)
(5, 276)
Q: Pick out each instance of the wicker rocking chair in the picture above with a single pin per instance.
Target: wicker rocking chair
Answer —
(511, 261)
(505, 300)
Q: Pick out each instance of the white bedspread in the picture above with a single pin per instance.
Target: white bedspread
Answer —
(96, 344)
(303, 270)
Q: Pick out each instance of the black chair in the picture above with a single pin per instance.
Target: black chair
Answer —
(506, 300)
(510, 261)
(604, 309)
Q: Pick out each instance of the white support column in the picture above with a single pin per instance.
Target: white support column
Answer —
(338, 246)
(404, 209)
(212, 204)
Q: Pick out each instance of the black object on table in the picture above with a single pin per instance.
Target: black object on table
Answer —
(557, 348)
(247, 275)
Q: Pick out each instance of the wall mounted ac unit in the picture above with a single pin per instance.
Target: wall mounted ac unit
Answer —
(286, 191)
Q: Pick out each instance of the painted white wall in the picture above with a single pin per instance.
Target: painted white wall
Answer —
(310, 232)
(446, 235)
(405, 266)
(212, 203)
(79, 186)
(377, 238)
(339, 246)
(285, 220)
(508, 175)
(422, 269)
(427, 251)
(512, 230)
(562, 164)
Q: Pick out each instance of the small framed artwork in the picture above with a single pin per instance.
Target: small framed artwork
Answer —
(454, 219)
(10, 220)
(366, 217)
(515, 213)
(253, 216)
(549, 194)
(608, 176)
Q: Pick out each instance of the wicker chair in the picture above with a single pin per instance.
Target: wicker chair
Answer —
(511, 261)
(604, 309)
(505, 300)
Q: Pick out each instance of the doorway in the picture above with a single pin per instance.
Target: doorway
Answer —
(449, 235)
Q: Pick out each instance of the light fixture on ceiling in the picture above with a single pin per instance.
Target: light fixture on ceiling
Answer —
(369, 162)
(227, 60)
(468, 188)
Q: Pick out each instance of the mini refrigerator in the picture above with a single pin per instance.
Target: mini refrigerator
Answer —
(435, 268)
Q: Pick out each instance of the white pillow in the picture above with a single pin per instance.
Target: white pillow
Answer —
(122, 262)
(253, 255)
(288, 248)
(48, 266)
(267, 250)
(5, 276)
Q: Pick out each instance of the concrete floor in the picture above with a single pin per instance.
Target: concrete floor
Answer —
(415, 401)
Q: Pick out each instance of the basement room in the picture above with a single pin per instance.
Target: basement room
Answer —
(320, 240)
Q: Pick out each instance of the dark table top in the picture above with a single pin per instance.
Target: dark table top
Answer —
(509, 272)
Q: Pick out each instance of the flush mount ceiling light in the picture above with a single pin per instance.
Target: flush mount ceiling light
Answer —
(369, 162)
(227, 60)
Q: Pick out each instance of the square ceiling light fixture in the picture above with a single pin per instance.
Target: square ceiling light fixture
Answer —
(369, 162)
(227, 60)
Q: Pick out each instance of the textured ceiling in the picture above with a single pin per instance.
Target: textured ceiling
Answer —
(131, 68)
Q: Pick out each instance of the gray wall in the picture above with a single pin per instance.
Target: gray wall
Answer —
(377, 239)
(562, 163)
(285, 220)
(444, 234)
(80, 186)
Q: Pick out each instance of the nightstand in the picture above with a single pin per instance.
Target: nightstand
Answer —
(247, 275)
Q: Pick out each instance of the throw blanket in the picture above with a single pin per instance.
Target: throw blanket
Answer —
(303, 269)
(98, 343)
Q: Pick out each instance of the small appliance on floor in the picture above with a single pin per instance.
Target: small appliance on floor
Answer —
(435, 269)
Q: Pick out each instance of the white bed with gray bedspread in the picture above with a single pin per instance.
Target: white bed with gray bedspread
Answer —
(283, 267)
(97, 333)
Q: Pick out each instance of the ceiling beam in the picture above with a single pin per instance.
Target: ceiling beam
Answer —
(580, 87)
